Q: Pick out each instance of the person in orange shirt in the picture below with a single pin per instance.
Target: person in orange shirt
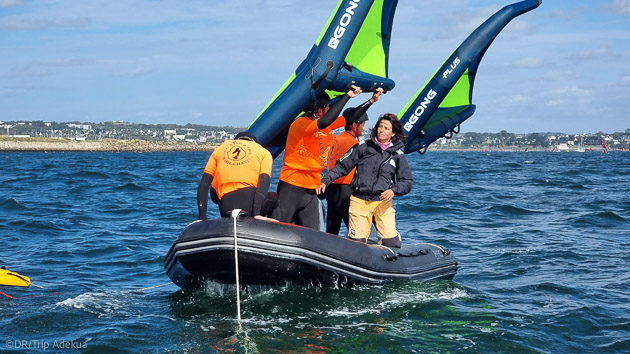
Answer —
(305, 157)
(338, 193)
(239, 172)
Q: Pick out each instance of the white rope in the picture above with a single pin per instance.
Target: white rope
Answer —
(235, 214)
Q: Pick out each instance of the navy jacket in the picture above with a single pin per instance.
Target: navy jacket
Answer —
(377, 170)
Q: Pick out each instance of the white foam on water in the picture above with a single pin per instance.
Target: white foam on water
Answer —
(460, 338)
(97, 303)
(396, 299)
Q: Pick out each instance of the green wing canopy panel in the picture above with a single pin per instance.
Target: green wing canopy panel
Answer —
(445, 101)
(369, 54)
(352, 49)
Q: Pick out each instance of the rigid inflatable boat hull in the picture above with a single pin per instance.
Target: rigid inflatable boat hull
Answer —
(278, 253)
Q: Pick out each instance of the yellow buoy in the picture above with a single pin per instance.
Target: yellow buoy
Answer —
(10, 278)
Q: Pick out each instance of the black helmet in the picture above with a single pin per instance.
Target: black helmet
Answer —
(322, 101)
(246, 136)
(350, 118)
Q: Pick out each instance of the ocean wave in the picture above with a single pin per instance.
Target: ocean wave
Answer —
(10, 204)
(130, 187)
(98, 303)
(125, 174)
(604, 219)
(511, 210)
(90, 175)
(398, 299)
(542, 254)
(38, 226)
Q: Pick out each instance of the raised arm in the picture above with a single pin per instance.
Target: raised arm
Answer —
(335, 111)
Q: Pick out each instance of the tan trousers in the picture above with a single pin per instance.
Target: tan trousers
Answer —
(363, 212)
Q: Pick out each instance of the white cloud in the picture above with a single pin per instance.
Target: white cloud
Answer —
(562, 14)
(10, 92)
(529, 62)
(65, 62)
(46, 67)
(573, 92)
(561, 75)
(569, 95)
(10, 3)
(555, 102)
(595, 53)
(517, 99)
(135, 72)
(25, 23)
(621, 7)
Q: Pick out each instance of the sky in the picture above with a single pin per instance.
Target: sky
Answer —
(563, 67)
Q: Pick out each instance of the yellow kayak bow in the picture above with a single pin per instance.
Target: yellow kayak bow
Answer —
(10, 278)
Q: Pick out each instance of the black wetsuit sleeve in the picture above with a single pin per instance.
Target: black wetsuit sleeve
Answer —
(202, 195)
(343, 166)
(333, 113)
(261, 193)
(359, 110)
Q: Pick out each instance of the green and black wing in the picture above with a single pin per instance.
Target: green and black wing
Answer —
(445, 101)
(353, 49)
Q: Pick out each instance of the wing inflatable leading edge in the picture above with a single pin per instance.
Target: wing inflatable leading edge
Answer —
(352, 49)
(445, 101)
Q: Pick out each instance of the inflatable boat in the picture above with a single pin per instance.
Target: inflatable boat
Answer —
(273, 253)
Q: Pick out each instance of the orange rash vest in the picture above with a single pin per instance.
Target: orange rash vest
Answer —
(307, 151)
(237, 164)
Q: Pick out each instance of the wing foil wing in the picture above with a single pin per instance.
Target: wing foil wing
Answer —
(445, 101)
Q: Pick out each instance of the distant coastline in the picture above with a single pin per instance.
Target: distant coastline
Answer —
(105, 145)
(127, 136)
(9, 144)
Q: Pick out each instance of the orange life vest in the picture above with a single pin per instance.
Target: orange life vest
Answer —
(342, 143)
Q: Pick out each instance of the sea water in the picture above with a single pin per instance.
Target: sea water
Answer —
(542, 240)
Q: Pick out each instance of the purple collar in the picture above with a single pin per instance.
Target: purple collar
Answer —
(383, 146)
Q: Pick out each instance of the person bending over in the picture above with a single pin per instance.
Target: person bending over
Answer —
(382, 172)
(239, 172)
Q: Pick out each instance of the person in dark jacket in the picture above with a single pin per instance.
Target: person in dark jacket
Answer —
(382, 172)
(338, 193)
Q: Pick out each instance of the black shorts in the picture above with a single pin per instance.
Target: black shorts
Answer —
(244, 199)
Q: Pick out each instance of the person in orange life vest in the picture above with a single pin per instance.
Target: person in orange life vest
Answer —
(239, 172)
(305, 157)
(338, 193)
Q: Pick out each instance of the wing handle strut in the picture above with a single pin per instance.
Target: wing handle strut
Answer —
(329, 65)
